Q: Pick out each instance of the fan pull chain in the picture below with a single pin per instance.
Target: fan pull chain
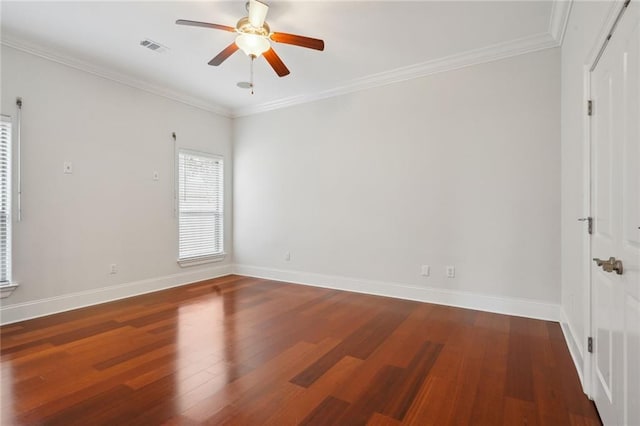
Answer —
(251, 81)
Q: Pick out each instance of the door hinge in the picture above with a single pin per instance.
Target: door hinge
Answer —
(589, 221)
(590, 345)
(589, 107)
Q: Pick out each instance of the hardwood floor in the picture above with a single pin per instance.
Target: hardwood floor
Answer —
(247, 351)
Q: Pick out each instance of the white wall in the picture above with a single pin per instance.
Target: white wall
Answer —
(459, 168)
(109, 210)
(586, 21)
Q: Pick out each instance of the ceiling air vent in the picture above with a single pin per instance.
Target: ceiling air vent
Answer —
(152, 45)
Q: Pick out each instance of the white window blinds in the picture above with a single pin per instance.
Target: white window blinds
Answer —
(200, 206)
(5, 201)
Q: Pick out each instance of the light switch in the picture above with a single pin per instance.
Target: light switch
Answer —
(156, 175)
(68, 168)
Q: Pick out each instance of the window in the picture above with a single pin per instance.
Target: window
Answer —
(200, 207)
(5, 201)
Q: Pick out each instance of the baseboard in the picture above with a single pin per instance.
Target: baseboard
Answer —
(38, 308)
(575, 348)
(502, 305)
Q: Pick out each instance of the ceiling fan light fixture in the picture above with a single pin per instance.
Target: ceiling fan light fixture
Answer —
(253, 44)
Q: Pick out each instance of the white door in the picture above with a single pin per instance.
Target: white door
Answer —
(616, 212)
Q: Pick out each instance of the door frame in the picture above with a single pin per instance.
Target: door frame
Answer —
(598, 47)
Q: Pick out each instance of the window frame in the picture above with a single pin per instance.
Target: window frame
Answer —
(7, 286)
(212, 258)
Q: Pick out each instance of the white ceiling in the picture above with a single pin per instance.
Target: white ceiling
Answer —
(363, 41)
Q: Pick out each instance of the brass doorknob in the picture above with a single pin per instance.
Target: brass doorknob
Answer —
(610, 265)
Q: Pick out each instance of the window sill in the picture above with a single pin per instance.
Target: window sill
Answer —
(184, 263)
(7, 289)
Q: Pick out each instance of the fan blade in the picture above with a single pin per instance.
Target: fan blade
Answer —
(296, 40)
(276, 63)
(205, 25)
(257, 13)
(222, 56)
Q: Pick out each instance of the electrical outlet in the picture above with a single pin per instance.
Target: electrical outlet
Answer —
(113, 269)
(426, 270)
(68, 167)
(450, 271)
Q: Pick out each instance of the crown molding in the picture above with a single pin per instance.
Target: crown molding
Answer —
(105, 73)
(553, 38)
(473, 57)
(560, 10)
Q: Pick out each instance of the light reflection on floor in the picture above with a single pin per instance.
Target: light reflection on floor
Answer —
(213, 364)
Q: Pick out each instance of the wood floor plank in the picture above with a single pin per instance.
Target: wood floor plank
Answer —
(240, 350)
(519, 366)
(126, 356)
(468, 379)
(259, 381)
(69, 386)
(294, 410)
(434, 404)
(577, 420)
(547, 385)
(488, 405)
(359, 344)
(327, 413)
(258, 408)
(398, 350)
(90, 408)
(449, 397)
(403, 394)
(519, 413)
(378, 419)
(37, 363)
(573, 397)
(374, 397)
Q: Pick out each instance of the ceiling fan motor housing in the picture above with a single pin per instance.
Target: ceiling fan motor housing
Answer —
(244, 26)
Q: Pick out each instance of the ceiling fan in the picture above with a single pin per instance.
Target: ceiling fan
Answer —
(253, 38)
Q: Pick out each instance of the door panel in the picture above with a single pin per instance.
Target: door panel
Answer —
(632, 351)
(616, 210)
(602, 160)
(604, 333)
(631, 147)
(630, 239)
(607, 315)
